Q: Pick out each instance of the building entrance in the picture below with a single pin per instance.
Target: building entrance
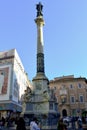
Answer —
(64, 113)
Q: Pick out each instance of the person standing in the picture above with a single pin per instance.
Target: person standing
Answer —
(21, 124)
(3, 121)
(80, 124)
(86, 120)
(61, 125)
(34, 124)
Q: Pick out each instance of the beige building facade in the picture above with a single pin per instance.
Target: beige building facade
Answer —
(71, 95)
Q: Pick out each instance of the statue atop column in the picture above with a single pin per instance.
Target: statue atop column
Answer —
(39, 8)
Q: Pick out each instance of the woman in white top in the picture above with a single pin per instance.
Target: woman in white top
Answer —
(34, 125)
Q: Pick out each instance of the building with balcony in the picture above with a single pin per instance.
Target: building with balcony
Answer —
(71, 94)
(13, 82)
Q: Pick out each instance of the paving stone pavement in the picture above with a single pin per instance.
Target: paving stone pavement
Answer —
(14, 128)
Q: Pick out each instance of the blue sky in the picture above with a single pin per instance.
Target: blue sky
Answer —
(65, 35)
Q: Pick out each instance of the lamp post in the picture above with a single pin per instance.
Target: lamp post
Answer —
(63, 98)
(78, 108)
(63, 93)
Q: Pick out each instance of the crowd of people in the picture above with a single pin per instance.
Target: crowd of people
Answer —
(19, 122)
(74, 124)
(34, 124)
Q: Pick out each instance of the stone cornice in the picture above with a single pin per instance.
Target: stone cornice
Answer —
(5, 58)
(68, 80)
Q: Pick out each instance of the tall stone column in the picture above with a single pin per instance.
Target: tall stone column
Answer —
(40, 79)
(40, 43)
(39, 101)
(40, 54)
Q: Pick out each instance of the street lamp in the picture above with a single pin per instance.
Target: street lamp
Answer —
(63, 94)
(78, 107)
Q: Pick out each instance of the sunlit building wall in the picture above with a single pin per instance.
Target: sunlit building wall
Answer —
(13, 82)
(71, 94)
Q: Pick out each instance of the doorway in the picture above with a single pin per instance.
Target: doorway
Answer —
(64, 113)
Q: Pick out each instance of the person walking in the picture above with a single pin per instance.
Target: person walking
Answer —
(34, 124)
